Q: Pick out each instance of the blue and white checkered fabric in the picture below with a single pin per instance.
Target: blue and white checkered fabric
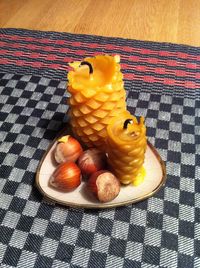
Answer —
(163, 231)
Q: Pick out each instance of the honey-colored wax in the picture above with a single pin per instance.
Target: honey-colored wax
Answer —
(126, 146)
(96, 98)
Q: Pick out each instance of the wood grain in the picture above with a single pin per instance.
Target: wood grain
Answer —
(175, 21)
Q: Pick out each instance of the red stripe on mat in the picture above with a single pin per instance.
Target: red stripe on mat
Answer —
(81, 52)
(128, 76)
(143, 51)
(35, 64)
(128, 67)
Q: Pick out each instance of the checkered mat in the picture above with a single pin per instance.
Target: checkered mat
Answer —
(163, 84)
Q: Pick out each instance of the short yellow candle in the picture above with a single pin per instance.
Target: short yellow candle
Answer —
(126, 146)
(97, 95)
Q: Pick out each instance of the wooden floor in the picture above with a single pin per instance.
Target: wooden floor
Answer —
(176, 21)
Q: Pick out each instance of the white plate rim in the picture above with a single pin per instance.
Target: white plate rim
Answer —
(65, 131)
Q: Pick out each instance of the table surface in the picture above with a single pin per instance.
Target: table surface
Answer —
(157, 20)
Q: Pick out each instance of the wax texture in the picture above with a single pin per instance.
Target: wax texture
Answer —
(96, 98)
(126, 148)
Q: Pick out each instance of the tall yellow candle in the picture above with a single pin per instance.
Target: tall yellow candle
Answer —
(126, 146)
(97, 95)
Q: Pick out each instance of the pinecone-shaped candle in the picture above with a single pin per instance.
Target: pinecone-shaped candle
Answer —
(97, 95)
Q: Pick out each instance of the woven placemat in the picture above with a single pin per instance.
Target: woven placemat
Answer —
(163, 84)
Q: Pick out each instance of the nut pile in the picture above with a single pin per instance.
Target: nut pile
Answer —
(74, 164)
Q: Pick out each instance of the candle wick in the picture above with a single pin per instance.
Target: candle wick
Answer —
(126, 122)
(88, 64)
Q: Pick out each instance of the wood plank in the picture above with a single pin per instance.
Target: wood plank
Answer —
(174, 21)
(189, 22)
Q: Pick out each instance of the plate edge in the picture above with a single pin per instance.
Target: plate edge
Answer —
(100, 206)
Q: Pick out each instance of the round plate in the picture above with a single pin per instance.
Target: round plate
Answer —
(81, 197)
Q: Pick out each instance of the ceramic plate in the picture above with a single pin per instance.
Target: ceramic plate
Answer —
(80, 197)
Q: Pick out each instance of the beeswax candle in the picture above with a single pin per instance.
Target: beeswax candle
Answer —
(126, 146)
(97, 95)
